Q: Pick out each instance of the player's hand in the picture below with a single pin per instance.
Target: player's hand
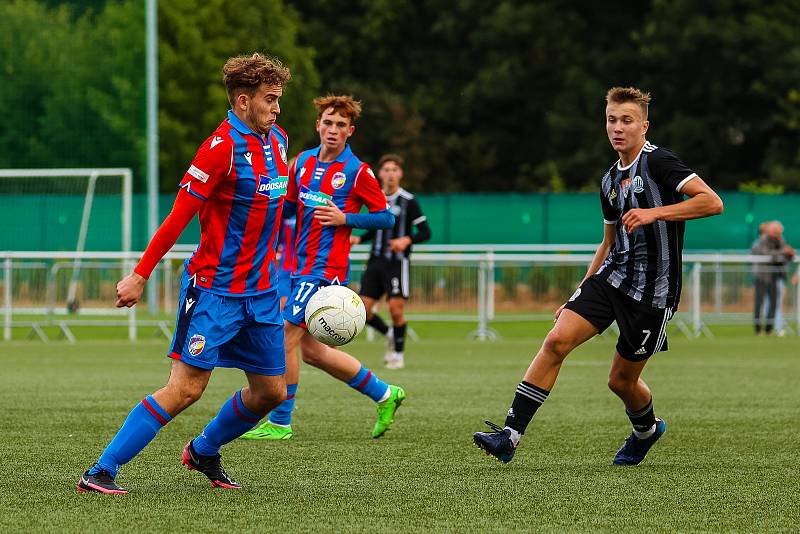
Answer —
(354, 239)
(129, 290)
(399, 244)
(330, 215)
(558, 312)
(637, 217)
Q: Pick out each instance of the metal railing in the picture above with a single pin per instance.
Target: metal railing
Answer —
(505, 283)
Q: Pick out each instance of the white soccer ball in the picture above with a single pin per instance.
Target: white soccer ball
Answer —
(335, 315)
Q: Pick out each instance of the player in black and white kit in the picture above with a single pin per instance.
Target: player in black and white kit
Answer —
(634, 278)
(388, 268)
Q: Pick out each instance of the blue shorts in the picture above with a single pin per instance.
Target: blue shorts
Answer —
(222, 331)
(284, 283)
(303, 288)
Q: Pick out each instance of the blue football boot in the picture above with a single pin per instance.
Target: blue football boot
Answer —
(634, 449)
(496, 443)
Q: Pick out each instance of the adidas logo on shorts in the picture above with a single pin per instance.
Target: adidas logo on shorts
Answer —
(642, 350)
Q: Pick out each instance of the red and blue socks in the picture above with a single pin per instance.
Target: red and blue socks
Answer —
(233, 420)
(139, 429)
(370, 385)
(282, 415)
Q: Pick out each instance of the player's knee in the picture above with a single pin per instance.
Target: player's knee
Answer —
(314, 354)
(186, 394)
(620, 384)
(265, 399)
(557, 344)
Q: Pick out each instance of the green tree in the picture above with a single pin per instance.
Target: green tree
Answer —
(726, 77)
(196, 37)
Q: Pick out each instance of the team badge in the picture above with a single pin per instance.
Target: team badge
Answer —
(196, 344)
(338, 180)
(282, 150)
(637, 184)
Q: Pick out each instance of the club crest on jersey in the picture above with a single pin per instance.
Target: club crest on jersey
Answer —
(196, 344)
(282, 151)
(338, 180)
(638, 184)
(272, 188)
(312, 199)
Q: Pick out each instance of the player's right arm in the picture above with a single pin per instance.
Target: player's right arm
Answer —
(129, 289)
(210, 165)
(600, 255)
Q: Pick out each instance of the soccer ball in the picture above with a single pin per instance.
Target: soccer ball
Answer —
(335, 315)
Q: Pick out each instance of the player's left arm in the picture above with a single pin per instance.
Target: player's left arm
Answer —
(667, 169)
(702, 202)
(368, 191)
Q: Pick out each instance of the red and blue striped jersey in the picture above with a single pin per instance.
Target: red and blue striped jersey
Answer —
(243, 179)
(286, 245)
(324, 251)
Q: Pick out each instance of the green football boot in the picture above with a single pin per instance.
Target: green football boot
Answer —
(387, 409)
(269, 430)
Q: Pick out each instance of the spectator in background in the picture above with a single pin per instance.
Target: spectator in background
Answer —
(768, 276)
(388, 269)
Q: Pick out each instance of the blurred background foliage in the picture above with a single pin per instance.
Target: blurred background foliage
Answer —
(499, 96)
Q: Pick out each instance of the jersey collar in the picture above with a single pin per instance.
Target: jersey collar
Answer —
(632, 163)
(343, 157)
(238, 125)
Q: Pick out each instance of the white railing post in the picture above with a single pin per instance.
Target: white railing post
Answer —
(490, 285)
(696, 322)
(7, 298)
(481, 334)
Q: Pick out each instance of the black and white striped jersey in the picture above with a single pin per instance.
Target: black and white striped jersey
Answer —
(645, 265)
(408, 216)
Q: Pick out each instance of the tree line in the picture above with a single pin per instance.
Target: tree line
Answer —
(497, 96)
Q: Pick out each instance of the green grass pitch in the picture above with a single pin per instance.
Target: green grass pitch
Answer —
(728, 462)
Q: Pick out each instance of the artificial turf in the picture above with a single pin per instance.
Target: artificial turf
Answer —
(728, 462)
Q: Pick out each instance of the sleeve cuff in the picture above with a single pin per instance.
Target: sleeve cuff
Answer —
(609, 222)
(684, 181)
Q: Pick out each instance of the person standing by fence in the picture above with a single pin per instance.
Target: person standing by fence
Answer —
(770, 278)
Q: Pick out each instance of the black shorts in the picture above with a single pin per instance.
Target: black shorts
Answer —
(642, 328)
(385, 277)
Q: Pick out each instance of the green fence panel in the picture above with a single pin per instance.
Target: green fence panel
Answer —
(52, 222)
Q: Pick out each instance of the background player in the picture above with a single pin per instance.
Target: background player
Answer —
(634, 278)
(228, 314)
(328, 185)
(388, 269)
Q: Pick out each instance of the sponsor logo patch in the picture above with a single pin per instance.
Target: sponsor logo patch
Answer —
(196, 344)
(197, 173)
(313, 199)
(272, 188)
(338, 180)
